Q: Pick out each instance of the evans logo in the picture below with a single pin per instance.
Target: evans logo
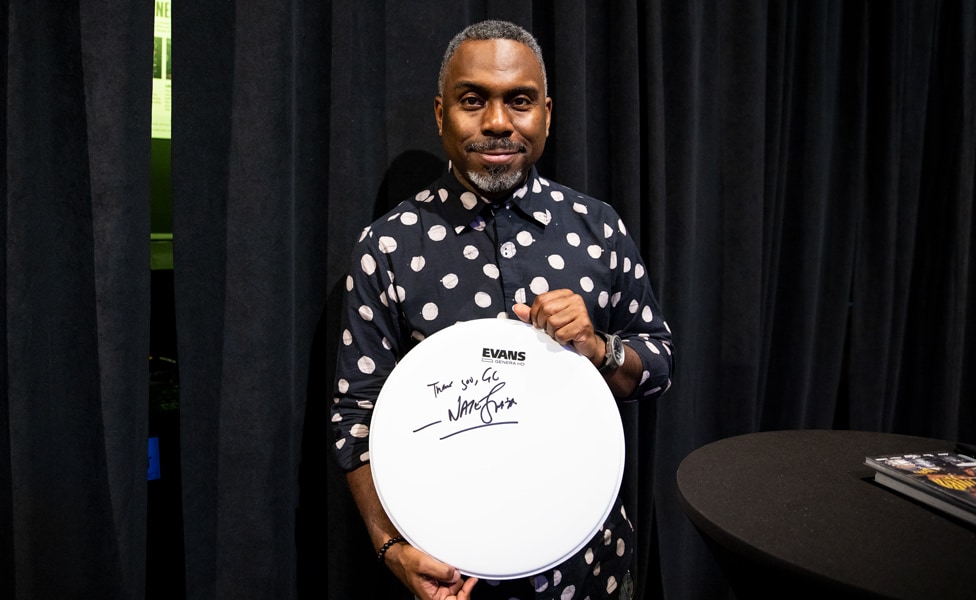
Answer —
(498, 354)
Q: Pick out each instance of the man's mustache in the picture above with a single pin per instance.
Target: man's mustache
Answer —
(504, 144)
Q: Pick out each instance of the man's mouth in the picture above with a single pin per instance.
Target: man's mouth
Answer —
(496, 150)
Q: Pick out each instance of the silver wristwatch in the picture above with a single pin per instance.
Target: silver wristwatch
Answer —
(615, 352)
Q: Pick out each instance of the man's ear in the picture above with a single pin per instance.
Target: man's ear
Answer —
(439, 113)
(548, 113)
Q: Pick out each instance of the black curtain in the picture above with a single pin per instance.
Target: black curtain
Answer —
(250, 174)
(76, 299)
(800, 177)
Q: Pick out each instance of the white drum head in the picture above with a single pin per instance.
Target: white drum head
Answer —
(495, 449)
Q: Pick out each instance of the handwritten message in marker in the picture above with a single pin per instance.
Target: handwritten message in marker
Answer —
(472, 410)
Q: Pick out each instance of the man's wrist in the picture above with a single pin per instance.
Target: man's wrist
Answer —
(381, 553)
(601, 350)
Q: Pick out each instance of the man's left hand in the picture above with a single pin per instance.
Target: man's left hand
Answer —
(562, 314)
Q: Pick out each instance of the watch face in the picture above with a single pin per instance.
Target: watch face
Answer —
(618, 350)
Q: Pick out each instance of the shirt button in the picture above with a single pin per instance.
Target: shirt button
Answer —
(508, 250)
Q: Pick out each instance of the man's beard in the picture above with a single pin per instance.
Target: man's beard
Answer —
(496, 179)
(499, 178)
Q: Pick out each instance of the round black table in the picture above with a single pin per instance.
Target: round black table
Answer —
(798, 514)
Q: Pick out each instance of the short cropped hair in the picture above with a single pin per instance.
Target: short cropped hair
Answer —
(492, 30)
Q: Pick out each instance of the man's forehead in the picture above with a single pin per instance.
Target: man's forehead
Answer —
(494, 59)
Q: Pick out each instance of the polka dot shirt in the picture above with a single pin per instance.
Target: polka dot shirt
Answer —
(447, 255)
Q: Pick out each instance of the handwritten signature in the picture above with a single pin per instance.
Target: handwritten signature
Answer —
(488, 408)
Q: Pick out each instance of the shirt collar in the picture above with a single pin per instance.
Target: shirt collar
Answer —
(463, 209)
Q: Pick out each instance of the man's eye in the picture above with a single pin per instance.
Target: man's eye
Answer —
(469, 101)
(521, 102)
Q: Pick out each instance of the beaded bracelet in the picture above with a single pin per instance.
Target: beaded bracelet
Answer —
(387, 545)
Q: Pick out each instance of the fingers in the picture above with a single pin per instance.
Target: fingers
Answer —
(560, 313)
(426, 576)
(465, 592)
(438, 571)
(435, 589)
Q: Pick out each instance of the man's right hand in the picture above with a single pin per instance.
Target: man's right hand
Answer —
(424, 575)
(427, 577)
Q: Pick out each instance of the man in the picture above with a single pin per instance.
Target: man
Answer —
(492, 238)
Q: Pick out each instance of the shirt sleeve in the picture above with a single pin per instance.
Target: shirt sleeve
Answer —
(636, 316)
(367, 353)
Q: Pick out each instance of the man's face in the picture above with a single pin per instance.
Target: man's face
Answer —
(493, 116)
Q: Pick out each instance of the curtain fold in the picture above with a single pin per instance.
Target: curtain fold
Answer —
(800, 178)
(909, 367)
(248, 226)
(76, 297)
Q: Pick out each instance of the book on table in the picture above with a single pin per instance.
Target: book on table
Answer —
(944, 479)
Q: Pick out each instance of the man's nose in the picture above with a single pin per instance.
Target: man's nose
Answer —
(497, 121)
